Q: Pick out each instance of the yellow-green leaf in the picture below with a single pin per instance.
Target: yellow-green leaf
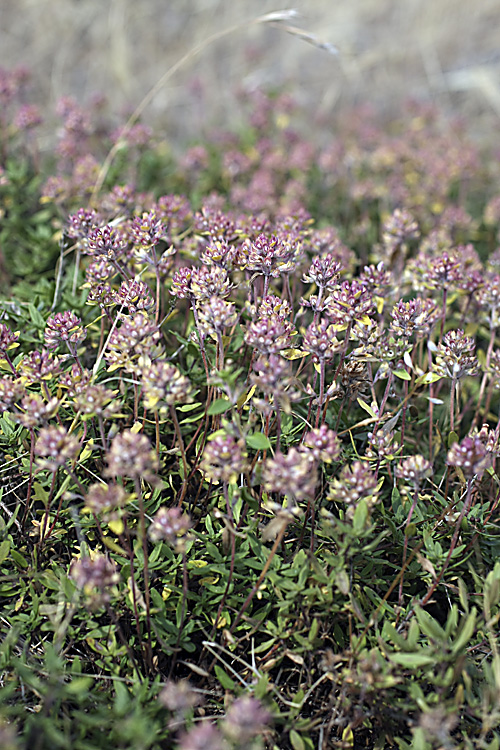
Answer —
(294, 353)
(113, 546)
(4, 550)
(402, 374)
(116, 526)
(296, 740)
(367, 408)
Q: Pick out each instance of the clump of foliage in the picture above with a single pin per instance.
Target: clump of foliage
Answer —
(249, 433)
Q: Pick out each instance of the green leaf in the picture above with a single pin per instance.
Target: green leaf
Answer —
(428, 378)
(193, 418)
(395, 499)
(413, 635)
(413, 660)
(402, 374)
(360, 517)
(20, 561)
(367, 408)
(494, 744)
(189, 407)
(122, 698)
(36, 318)
(224, 679)
(4, 550)
(342, 582)
(79, 685)
(419, 742)
(262, 686)
(451, 621)
(294, 353)
(258, 441)
(314, 627)
(429, 625)
(296, 740)
(390, 633)
(416, 692)
(466, 632)
(219, 406)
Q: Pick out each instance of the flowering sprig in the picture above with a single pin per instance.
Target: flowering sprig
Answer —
(414, 469)
(164, 385)
(55, 447)
(320, 341)
(349, 303)
(323, 444)
(12, 391)
(133, 343)
(64, 327)
(172, 526)
(293, 474)
(39, 365)
(131, 455)
(8, 339)
(415, 316)
(272, 376)
(105, 242)
(270, 332)
(224, 458)
(471, 455)
(397, 232)
(82, 223)
(270, 257)
(455, 356)
(97, 576)
(147, 230)
(355, 483)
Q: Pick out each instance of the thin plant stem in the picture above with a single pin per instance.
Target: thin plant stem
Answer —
(75, 273)
(185, 589)
(180, 441)
(321, 390)
(201, 338)
(157, 433)
(405, 547)
(43, 528)
(220, 351)
(124, 641)
(443, 314)
(144, 540)
(131, 556)
(231, 565)
(30, 480)
(255, 588)
(484, 380)
(403, 415)
(266, 286)
(452, 404)
(453, 544)
(431, 408)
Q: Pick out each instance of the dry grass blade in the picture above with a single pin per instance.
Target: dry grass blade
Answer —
(480, 78)
(275, 18)
(310, 39)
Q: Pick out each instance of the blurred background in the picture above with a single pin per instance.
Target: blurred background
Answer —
(443, 51)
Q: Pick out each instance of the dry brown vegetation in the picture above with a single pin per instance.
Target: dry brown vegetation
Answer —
(444, 50)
